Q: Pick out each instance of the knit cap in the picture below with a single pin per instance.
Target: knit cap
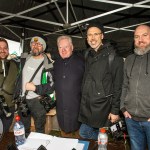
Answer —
(40, 40)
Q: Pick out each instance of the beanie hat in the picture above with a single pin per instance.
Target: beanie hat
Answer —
(95, 24)
(40, 40)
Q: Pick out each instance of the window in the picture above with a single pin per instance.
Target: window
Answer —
(14, 47)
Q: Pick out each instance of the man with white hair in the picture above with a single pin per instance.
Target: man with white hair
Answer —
(41, 84)
(68, 75)
(135, 99)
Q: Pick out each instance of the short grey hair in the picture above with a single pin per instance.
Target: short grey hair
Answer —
(64, 37)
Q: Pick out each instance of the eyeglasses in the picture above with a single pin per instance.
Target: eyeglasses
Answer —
(38, 44)
(95, 34)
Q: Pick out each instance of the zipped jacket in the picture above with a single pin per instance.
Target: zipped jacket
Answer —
(135, 96)
(47, 84)
(7, 82)
(101, 87)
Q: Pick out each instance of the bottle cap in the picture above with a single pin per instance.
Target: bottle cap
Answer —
(17, 118)
(102, 130)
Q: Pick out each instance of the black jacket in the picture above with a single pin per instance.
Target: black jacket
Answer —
(68, 75)
(101, 87)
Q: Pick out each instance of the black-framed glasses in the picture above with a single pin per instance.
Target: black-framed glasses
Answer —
(38, 44)
(94, 34)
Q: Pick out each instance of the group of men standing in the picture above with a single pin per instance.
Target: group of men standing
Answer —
(90, 90)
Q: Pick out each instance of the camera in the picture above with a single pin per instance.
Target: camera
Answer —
(48, 103)
(22, 106)
(118, 129)
(4, 107)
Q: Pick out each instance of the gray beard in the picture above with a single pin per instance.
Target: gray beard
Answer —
(36, 54)
(140, 51)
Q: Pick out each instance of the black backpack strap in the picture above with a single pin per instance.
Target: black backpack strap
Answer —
(111, 59)
(86, 53)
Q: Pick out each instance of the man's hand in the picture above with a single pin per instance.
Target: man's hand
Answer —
(127, 115)
(113, 118)
(30, 86)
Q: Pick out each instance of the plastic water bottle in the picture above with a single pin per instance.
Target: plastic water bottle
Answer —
(102, 139)
(19, 131)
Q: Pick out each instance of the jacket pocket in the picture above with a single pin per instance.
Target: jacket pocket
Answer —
(97, 91)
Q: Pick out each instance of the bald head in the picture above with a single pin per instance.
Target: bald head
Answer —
(142, 39)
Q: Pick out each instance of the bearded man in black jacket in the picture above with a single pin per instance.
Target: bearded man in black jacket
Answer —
(102, 84)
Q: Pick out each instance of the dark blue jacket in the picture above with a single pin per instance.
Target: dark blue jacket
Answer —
(68, 75)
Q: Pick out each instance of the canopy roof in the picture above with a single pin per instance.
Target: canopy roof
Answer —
(22, 19)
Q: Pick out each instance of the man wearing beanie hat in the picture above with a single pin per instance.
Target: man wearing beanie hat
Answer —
(101, 84)
(41, 84)
(39, 41)
(95, 24)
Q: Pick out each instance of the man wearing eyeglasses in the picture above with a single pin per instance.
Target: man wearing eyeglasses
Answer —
(41, 84)
(101, 84)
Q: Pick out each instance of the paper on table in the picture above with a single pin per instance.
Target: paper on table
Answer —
(35, 135)
(80, 146)
(33, 144)
(62, 143)
(35, 140)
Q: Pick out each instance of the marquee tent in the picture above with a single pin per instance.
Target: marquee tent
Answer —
(22, 19)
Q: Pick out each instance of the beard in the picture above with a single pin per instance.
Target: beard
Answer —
(36, 52)
(142, 51)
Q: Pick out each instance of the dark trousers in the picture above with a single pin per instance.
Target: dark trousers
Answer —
(7, 121)
(38, 113)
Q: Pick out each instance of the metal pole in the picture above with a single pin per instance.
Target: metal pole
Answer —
(34, 19)
(100, 15)
(128, 5)
(67, 14)
(11, 31)
(28, 10)
(60, 12)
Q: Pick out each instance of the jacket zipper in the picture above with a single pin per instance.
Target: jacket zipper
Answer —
(137, 84)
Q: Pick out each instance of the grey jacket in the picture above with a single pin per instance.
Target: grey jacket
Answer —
(47, 84)
(135, 96)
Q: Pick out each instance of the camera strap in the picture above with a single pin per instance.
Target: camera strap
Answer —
(26, 92)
